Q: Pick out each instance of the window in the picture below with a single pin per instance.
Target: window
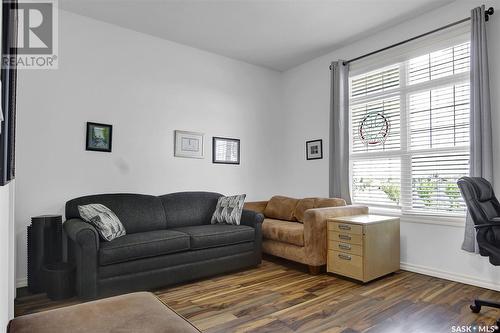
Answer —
(410, 132)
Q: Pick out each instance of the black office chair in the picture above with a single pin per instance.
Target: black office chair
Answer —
(484, 210)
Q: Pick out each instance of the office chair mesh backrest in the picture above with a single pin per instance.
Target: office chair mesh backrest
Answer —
(484, 209)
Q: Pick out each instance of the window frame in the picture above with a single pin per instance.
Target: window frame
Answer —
(404, 153)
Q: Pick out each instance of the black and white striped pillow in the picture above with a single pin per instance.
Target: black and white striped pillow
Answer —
(228, 210)
(108, 225)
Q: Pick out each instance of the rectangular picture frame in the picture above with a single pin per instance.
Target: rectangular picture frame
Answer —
(99, 137)
(314, 149)
(232, 144)
(188, 144)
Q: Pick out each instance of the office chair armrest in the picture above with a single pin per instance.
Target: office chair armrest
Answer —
(487, 225)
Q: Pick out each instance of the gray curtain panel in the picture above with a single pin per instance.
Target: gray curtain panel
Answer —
(481, 152)
(339, 132)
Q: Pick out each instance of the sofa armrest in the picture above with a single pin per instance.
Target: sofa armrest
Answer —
(254, 220)
(315, 229)
(256, 206)
(83, 250)
(251, 218)
(82, 233)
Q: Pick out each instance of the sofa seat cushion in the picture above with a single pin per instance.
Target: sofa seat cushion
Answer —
(283, 231)
(212, 235)
(142, 245)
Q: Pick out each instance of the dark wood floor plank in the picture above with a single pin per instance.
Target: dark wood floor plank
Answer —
(279, 296)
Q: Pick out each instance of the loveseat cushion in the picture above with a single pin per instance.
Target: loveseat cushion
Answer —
(302, 206)
(328, 202)
(309, 203)
(281, 208)
(142, 245)
(212, 235)
(283, 231)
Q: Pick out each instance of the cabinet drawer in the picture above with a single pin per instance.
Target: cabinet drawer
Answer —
(345, 264)
(345, 228)
(345, 237)
(345, 247)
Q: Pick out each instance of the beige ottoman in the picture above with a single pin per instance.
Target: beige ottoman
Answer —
(136, 312)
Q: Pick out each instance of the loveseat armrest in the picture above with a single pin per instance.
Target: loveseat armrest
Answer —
(256, 206)
(83, 250)
(315, 229)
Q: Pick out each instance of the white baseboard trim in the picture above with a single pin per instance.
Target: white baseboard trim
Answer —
(22, 282)
(466, 279)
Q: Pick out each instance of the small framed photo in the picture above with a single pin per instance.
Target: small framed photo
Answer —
(188, 144)
(314, 149)
(99, 137)
(225, 150)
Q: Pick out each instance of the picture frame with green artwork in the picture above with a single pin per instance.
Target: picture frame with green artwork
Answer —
(99, 137)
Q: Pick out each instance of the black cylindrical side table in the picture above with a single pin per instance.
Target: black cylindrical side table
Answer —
(59, 280)
(44, 247)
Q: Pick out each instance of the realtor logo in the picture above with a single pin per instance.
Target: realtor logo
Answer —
(36, 44)
(35, 28)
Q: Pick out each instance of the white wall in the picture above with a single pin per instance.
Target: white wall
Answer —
(146, 88)
(427, 248)
(7, 286)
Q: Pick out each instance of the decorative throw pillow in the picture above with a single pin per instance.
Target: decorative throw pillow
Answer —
(108, 225)
(229, 209)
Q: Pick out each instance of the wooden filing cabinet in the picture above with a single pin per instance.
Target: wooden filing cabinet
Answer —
(363, 247)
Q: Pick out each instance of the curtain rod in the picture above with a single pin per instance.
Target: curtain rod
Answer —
(487, 14)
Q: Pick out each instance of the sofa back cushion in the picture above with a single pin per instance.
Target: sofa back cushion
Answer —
(328, 202)
(309, 203)
(185, 209)
(281, 208)
(302, 206)
(137, 212)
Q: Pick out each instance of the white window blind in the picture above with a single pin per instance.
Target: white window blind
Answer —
(410, 131)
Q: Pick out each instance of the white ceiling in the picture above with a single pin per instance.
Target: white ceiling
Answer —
(277, 34)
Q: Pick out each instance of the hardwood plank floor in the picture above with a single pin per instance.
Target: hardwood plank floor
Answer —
(280, 296)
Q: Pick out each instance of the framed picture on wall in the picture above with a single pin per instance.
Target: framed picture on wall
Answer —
(314, 149)
(225, 150)
(188, 144)
(99, 137)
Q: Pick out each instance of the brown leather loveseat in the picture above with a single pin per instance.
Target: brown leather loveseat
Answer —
(295, 229)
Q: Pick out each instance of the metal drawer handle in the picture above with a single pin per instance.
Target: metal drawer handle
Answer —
(344, 257)
(346, 237)
(344, 227)
(344, 246)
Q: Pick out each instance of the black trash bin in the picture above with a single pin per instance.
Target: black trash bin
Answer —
(59, 280)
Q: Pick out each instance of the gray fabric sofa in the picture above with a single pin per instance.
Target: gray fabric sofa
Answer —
(169, 240)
